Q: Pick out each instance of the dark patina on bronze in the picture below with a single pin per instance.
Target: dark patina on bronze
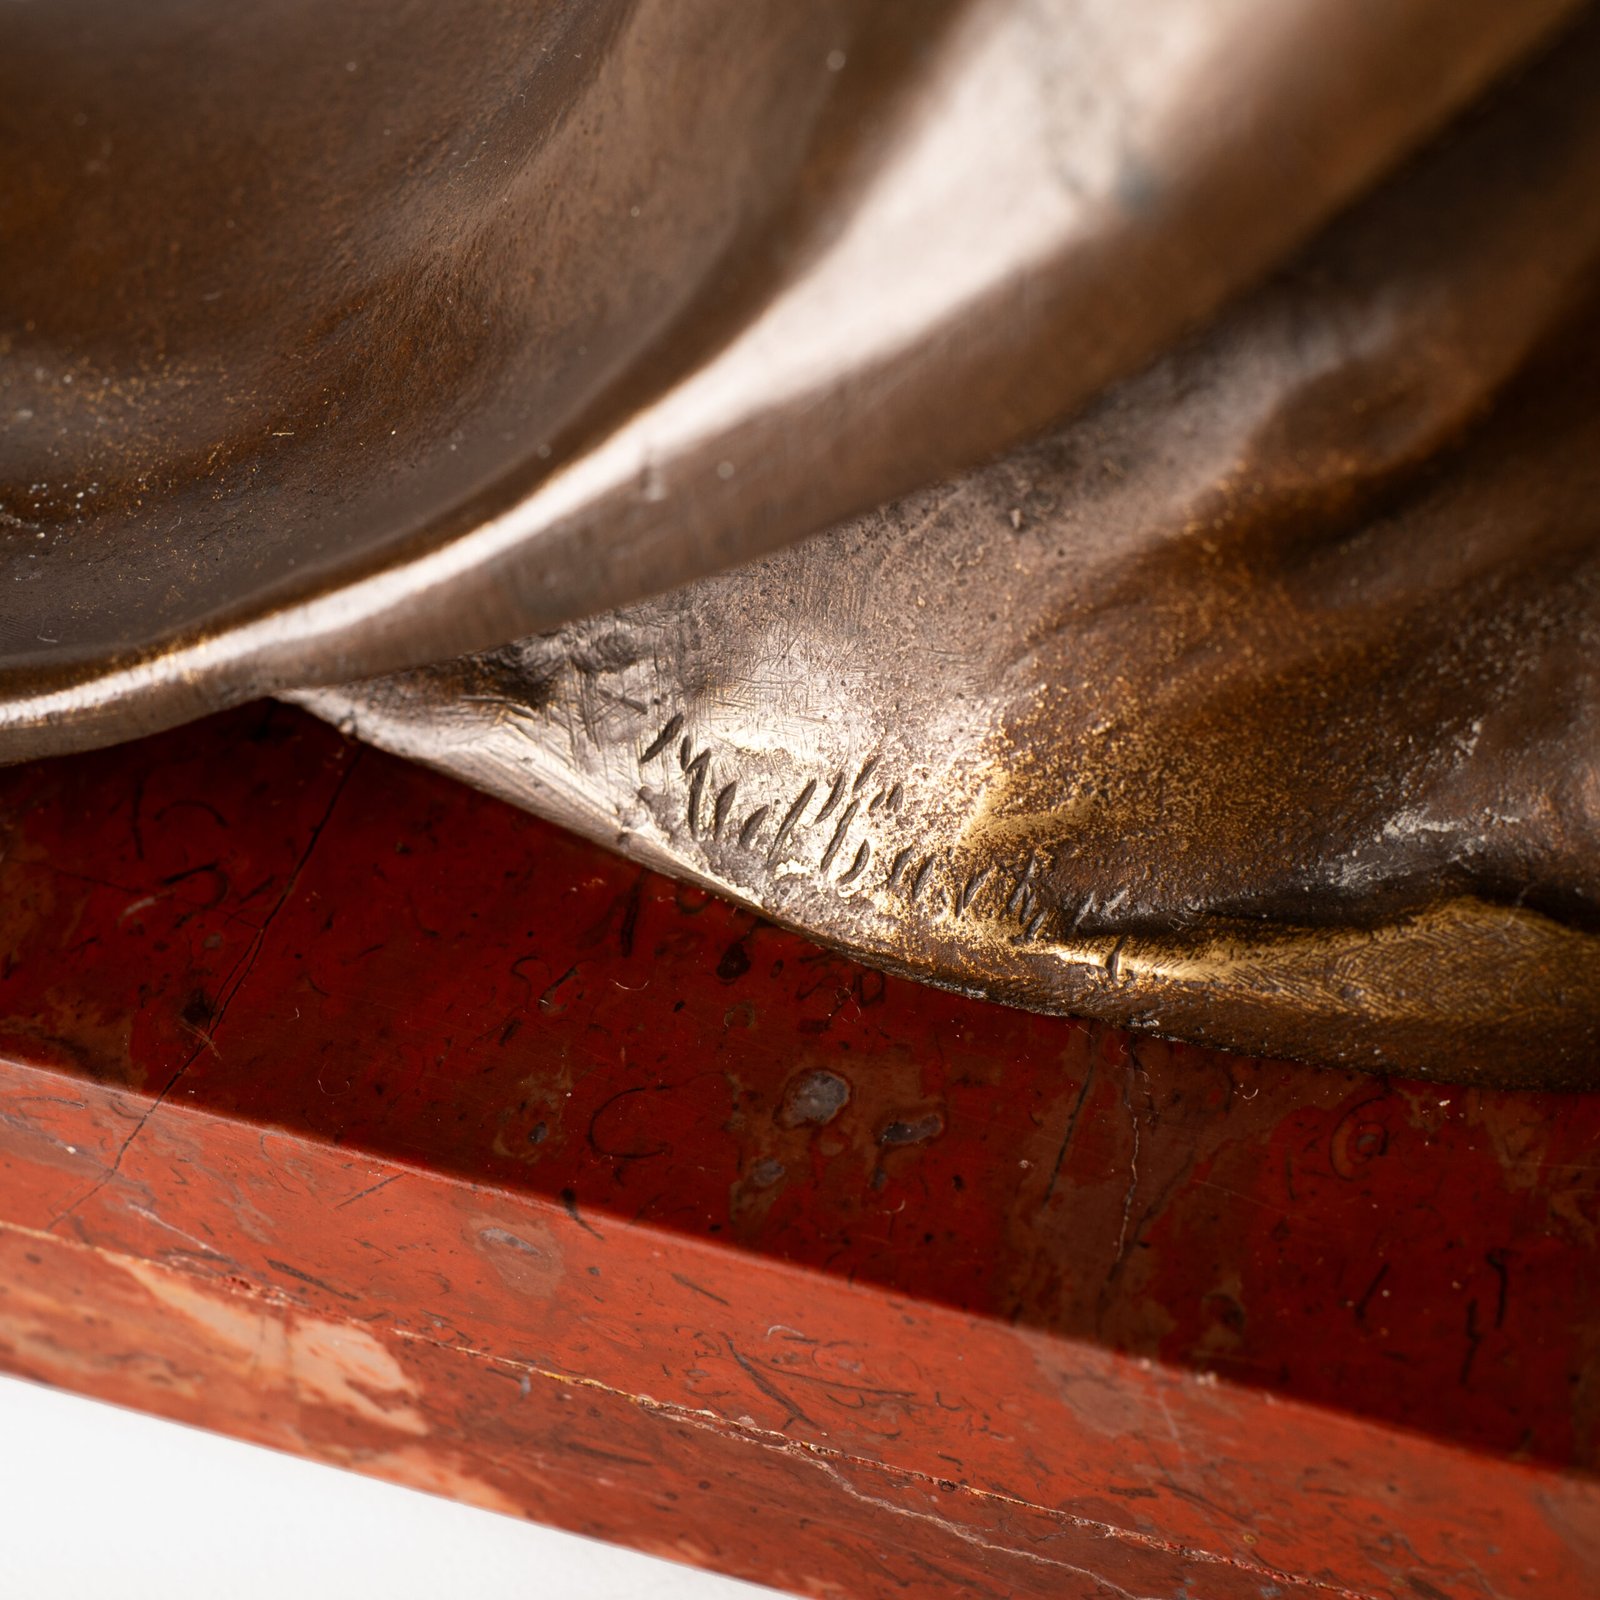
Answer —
(1256, 703)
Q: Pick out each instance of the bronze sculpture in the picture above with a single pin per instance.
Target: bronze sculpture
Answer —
(1252, 704)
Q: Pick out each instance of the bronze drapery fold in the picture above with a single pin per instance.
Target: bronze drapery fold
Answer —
(1252, 702)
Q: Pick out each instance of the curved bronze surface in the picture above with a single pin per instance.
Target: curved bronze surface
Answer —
(336, 338)
(1256, 703)
(1260, 704)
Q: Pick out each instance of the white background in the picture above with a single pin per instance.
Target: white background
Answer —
(98, 1503)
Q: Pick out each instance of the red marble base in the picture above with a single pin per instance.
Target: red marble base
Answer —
(352, 1112)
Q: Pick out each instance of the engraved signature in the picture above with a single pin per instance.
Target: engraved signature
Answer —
(781, 835)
